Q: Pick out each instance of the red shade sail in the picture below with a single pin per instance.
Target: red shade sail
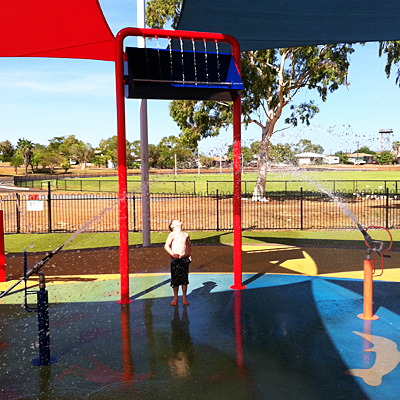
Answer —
(55, 28)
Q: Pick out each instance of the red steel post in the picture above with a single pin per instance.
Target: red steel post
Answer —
(122, 173)
(2, 251)
(368, 292)
(237, 194)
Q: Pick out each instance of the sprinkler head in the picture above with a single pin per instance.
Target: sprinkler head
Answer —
(367, 237)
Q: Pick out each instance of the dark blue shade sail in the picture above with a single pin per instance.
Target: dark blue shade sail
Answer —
(181, 75)
(266, 24)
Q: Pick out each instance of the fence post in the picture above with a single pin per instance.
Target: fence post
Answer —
(81, 184)
(194, 187)
(217, 212)
(49, 205)
(387, 208)
(334, 186)
(175, 186)
(301, 208)
(207, 187)
(18, 214)
(134, 212)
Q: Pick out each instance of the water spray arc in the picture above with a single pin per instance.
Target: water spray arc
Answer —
(33, 270)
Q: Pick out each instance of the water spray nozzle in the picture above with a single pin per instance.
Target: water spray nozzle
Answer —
(375, 245)
(36, 268)
(367, 237)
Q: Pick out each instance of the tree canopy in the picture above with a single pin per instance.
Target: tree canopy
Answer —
(391, 49)
(272, 78)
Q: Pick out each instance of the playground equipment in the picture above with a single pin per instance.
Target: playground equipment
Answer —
(374, 247)
(42, 308)
(177, 75)
(185, 75)
(33, 270)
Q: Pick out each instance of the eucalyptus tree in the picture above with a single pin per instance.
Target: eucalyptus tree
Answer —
(391, 49)
(272, 78)
(6, 150)
(83, 153)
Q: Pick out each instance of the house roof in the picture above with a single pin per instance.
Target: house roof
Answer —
(309, 155)
(360, 155)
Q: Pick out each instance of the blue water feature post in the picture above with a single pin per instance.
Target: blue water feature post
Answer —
(44, 358)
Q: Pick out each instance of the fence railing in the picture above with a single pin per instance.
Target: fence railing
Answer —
(295, 185)
(213, 212)
(109, 186)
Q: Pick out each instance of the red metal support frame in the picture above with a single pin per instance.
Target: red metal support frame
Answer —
(122, 174)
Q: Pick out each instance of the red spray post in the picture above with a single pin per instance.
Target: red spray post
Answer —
(374, 247)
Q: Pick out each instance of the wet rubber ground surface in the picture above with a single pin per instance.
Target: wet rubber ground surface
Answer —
(293, 333)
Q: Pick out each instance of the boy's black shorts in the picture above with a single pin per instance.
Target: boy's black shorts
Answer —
(180, 271)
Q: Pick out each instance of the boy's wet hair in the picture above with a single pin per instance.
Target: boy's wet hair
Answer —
(169, 226)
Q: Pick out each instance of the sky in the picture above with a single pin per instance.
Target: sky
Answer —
(43, 98)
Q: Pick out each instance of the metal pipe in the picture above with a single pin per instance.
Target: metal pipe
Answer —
(43, 325)
(368, 290)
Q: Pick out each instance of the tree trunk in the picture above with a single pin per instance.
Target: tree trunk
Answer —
(259, 190)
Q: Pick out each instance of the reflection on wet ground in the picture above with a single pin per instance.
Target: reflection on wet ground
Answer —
(284, 337)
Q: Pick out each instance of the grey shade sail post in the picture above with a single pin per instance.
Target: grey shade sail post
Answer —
(144, 140)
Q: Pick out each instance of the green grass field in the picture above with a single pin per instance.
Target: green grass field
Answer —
(336, 239)
(203, 183)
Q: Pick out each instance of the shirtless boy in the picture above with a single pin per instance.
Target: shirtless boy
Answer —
(179, 247)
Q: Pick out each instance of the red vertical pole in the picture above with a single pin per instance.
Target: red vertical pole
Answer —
(237, 186)
(2, 250)
(122, 183)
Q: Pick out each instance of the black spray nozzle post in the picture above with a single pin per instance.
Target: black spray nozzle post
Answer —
(375, 245)
(37, 267)
(34, 270)
(367, 237)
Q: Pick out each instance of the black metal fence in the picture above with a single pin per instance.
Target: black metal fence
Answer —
(212, 212)
(107, 185)
(296, 184)
(76, 183)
